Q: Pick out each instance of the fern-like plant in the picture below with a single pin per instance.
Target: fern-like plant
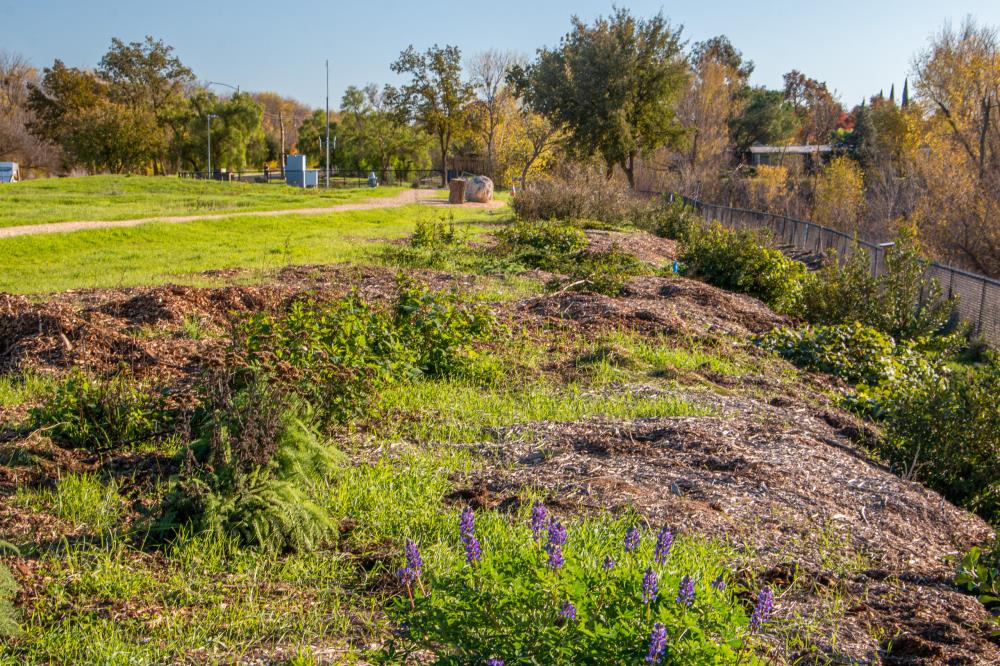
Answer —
(8, 613)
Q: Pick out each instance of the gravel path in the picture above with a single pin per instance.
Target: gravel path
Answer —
(401, 199)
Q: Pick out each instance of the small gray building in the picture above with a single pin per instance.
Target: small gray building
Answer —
(811, 156)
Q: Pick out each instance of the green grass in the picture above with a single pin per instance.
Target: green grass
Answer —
(82, 500)
(129, 197)
(23, 388)
(156, 253)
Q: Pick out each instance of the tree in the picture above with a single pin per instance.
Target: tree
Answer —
(613, 87)
(489, 71)
(373, 136)
(17, 143)
(840, 195)
(312, 134)
(766, 119)
(817, 111)
(282, 117)
(436, 97)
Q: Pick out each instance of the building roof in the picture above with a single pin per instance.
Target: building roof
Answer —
(791, 150)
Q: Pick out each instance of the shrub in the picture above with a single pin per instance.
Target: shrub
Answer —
(741, 261)
(605, 272)
(675, 220)
(902, 301)
(947, 434)
(250, 474)
(546, 245)
(336, 354)
(100, 414)
(856, 353)
(978, 572)
(588, 199)
(8, 612)
(549, 595)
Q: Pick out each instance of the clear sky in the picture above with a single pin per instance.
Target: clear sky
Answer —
(857, 47)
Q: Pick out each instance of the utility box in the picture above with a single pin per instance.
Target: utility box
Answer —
(10, 172)
(296, 173)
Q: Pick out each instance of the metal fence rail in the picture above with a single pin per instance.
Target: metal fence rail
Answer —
(978, 296)
(427, 178)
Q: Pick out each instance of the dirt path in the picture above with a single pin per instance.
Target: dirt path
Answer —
(401, 199)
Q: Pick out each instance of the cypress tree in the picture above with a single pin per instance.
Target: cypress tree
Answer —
(892, 94)
(906, 93)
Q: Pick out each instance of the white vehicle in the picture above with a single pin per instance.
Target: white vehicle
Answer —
(9, 172)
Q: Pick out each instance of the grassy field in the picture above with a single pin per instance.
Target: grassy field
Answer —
(156, 253)
(130, 197)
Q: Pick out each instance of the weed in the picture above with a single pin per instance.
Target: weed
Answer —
(83, 500)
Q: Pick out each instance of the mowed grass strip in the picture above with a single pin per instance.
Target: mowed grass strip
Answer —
(156, 253)
(89, 198)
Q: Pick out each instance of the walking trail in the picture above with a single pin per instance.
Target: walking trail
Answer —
(402, 199)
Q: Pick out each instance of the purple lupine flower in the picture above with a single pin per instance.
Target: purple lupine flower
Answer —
(467, 523)
(719, 584)
(556, 559)
(413, 560)
(557, 533)
(663, 542)
(538, 514)
(685, 591)
(609, 563)
(568, 611)
(657, 643)
(762, 610)
(406, 575)
(631, 539)
(493, 661)
(473, 551)
(650, 586)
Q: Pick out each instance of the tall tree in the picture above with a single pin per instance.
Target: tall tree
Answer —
(767, 118)
(435, 96)
(817, 111)
(613, 86)
(488, 71)
(17, 143)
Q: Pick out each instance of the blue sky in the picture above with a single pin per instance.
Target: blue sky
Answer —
(856, 47)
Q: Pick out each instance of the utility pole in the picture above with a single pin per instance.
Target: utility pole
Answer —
(281, 125)
(209, 118)
(327, 124)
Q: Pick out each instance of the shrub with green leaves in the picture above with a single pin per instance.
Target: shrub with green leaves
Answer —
(742, 261)
(675, 220)
(978, 573)
(252, 474)
(8, 613)
(604, 272)
(902, 301)
(99, 414)
(547, 245)
(547, 594)
(856, 353)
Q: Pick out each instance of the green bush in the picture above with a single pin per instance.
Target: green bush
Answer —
(251, 475)
(856, 353)
(546, 245)
(741, 261)
(675, 220)
(99, 414)
(517, 603)
(604, 272)
(336, 354)
(978, 573)
(902, 301)
(947, 434)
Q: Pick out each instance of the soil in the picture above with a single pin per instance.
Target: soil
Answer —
(781, 471)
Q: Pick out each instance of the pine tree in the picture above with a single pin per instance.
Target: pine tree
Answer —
(906, 93)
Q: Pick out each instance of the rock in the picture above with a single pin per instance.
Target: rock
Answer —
(479, 189)
(456, 191)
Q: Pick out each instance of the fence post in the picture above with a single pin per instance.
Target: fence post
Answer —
(982, 310)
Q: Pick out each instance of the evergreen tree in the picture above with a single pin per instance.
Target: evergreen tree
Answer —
(892, 94)
(906, 93)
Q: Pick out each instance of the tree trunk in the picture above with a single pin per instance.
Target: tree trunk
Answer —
(628, 166)
(443, 138)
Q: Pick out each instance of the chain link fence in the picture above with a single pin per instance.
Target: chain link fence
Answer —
(978, 296)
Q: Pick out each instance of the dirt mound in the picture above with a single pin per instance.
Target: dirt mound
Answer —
(642, 244)
(655, 305)
(787, 482)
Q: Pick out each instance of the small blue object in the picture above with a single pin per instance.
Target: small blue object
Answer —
(677, 267)
(372, 180)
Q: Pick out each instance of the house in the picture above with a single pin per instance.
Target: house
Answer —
(9, 172)
(811, 156)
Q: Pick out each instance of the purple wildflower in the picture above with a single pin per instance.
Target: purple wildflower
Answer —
(473, 551)
(406, 575)
(631, 539)
(538, 514)
(657, 643)
(413, 560)
(650, 586)
(493, 661)
(556, 559)
(663, 542)
(557, 533)
(719, 584)
(762, 610)
(467, 523)
(685, 591)
(568, 611)
(609, 563)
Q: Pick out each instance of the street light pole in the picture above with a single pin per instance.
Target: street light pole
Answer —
(327, 124)
(209, 118)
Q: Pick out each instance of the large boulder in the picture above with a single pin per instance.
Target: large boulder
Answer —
(479, 189)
